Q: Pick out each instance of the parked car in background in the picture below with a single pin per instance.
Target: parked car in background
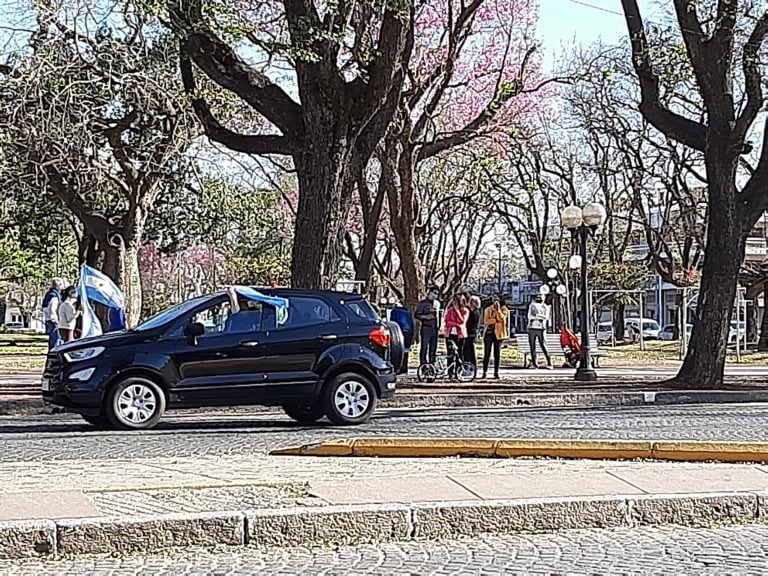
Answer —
(737, 329)
(650, 327)
(328, 354)
(668, 332)
(604, 333)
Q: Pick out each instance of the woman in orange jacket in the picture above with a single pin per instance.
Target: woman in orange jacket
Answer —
(494, 333)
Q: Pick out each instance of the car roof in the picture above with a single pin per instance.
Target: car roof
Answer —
(288, 292)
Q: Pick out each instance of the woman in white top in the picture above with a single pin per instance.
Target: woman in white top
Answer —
(68, 314)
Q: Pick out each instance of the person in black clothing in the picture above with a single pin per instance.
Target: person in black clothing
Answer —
(426, 313)
(473, 325)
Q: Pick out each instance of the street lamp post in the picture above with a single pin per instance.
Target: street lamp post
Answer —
(583, 222)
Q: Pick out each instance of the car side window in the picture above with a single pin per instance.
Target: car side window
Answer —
(214, 318)
(304, 312)
(219, 319)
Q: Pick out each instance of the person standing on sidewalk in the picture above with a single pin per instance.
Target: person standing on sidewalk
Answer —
(538, 318)
(51, 302)
(426, 314)
(494, 333)
(456, 332)
(473, 325)
(68, 314)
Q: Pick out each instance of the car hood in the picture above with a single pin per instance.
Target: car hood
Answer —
(106, 340)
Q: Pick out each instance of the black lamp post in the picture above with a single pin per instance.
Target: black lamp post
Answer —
(583, 222)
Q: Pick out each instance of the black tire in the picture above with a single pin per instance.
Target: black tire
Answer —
(349, 399)
(466, 372)
(304, 413)
(119, 407)
(396, 346)
(426, 373)
(100, 422)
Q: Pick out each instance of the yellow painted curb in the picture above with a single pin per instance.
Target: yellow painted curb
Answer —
(330, 448)
(718, 451)
(574, 449)
(590, 449)
(422, 447)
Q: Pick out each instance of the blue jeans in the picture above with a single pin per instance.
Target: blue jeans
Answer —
(428, 350)
(53, 335)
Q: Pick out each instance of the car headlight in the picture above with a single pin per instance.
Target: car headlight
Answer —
(83, 354)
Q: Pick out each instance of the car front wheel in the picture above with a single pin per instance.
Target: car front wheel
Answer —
(308, 413)
(135, 404)
(349, 399)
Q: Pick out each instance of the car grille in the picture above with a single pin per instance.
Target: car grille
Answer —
(52, 366)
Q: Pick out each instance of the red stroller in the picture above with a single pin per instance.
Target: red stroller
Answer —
(571, 348)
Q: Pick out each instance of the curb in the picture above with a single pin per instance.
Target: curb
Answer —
(36, 406)
(368, 524)
(539, 448)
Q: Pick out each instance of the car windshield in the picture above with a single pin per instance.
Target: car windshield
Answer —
(650, 326)
(360, 309)
(170, 314)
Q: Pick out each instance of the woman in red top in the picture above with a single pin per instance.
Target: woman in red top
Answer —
(456, 331)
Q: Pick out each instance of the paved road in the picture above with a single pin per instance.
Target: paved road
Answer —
(218, 433)
(668, 550)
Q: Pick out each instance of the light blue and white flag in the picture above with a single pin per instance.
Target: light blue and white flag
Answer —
(91, 323)
(100, 288)
(280, 304)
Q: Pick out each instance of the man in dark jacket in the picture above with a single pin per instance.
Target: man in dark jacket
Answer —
(426, 314)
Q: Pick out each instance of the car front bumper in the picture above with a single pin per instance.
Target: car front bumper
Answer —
(78, 394)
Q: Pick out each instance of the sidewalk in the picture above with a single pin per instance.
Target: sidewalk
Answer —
(99, 506)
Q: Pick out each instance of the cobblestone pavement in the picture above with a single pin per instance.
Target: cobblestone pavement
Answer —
(668, 550)
(66, 437)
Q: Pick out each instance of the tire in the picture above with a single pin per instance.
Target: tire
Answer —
(100, 422)
(396, 346)
(466, 372)
(123, 411)
(426, 373)
(304, 413)
(349, 399)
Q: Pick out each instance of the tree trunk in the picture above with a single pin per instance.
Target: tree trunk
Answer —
(618, 320)
(371, 230)
(762, 343)
(704, 363)
(323, 183)
(397, 172)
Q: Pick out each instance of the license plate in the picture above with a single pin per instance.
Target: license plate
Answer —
(46, 384)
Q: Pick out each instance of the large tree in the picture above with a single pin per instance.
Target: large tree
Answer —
(724, 41)
(96, 118)
(345, 63)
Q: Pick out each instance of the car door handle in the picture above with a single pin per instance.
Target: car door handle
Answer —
(328, 337)
(249, 344)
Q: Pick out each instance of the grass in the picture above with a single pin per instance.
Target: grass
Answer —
(30, 350)
(9, 365)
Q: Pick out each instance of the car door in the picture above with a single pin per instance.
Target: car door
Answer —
(295, 347)
(225, 365)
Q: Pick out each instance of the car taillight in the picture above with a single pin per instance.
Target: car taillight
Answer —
(380, 336)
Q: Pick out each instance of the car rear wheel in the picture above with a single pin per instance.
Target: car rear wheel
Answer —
(135, 404)
(349, 399)
(100, 422)
(304, 413)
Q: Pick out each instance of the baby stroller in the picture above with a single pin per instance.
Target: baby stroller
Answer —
(571, 348)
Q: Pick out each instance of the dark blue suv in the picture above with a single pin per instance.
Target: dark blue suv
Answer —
(332, 356)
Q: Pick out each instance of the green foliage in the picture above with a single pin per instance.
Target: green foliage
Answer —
(619, 276)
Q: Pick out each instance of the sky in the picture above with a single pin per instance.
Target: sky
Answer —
(562, 22)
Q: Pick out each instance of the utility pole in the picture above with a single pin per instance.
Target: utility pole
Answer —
(498, 246)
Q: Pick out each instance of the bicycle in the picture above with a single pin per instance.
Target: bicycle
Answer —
(465, 372)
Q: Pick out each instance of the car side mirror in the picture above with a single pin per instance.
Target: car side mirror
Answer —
(193, 332)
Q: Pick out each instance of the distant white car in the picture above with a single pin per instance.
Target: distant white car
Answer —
(737, 328)
(651, 328)
(604, 333)
(668, 332)
(14, 326)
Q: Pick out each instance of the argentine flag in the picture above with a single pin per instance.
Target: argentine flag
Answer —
(97, 286)
(280, 304)
(100, 288)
